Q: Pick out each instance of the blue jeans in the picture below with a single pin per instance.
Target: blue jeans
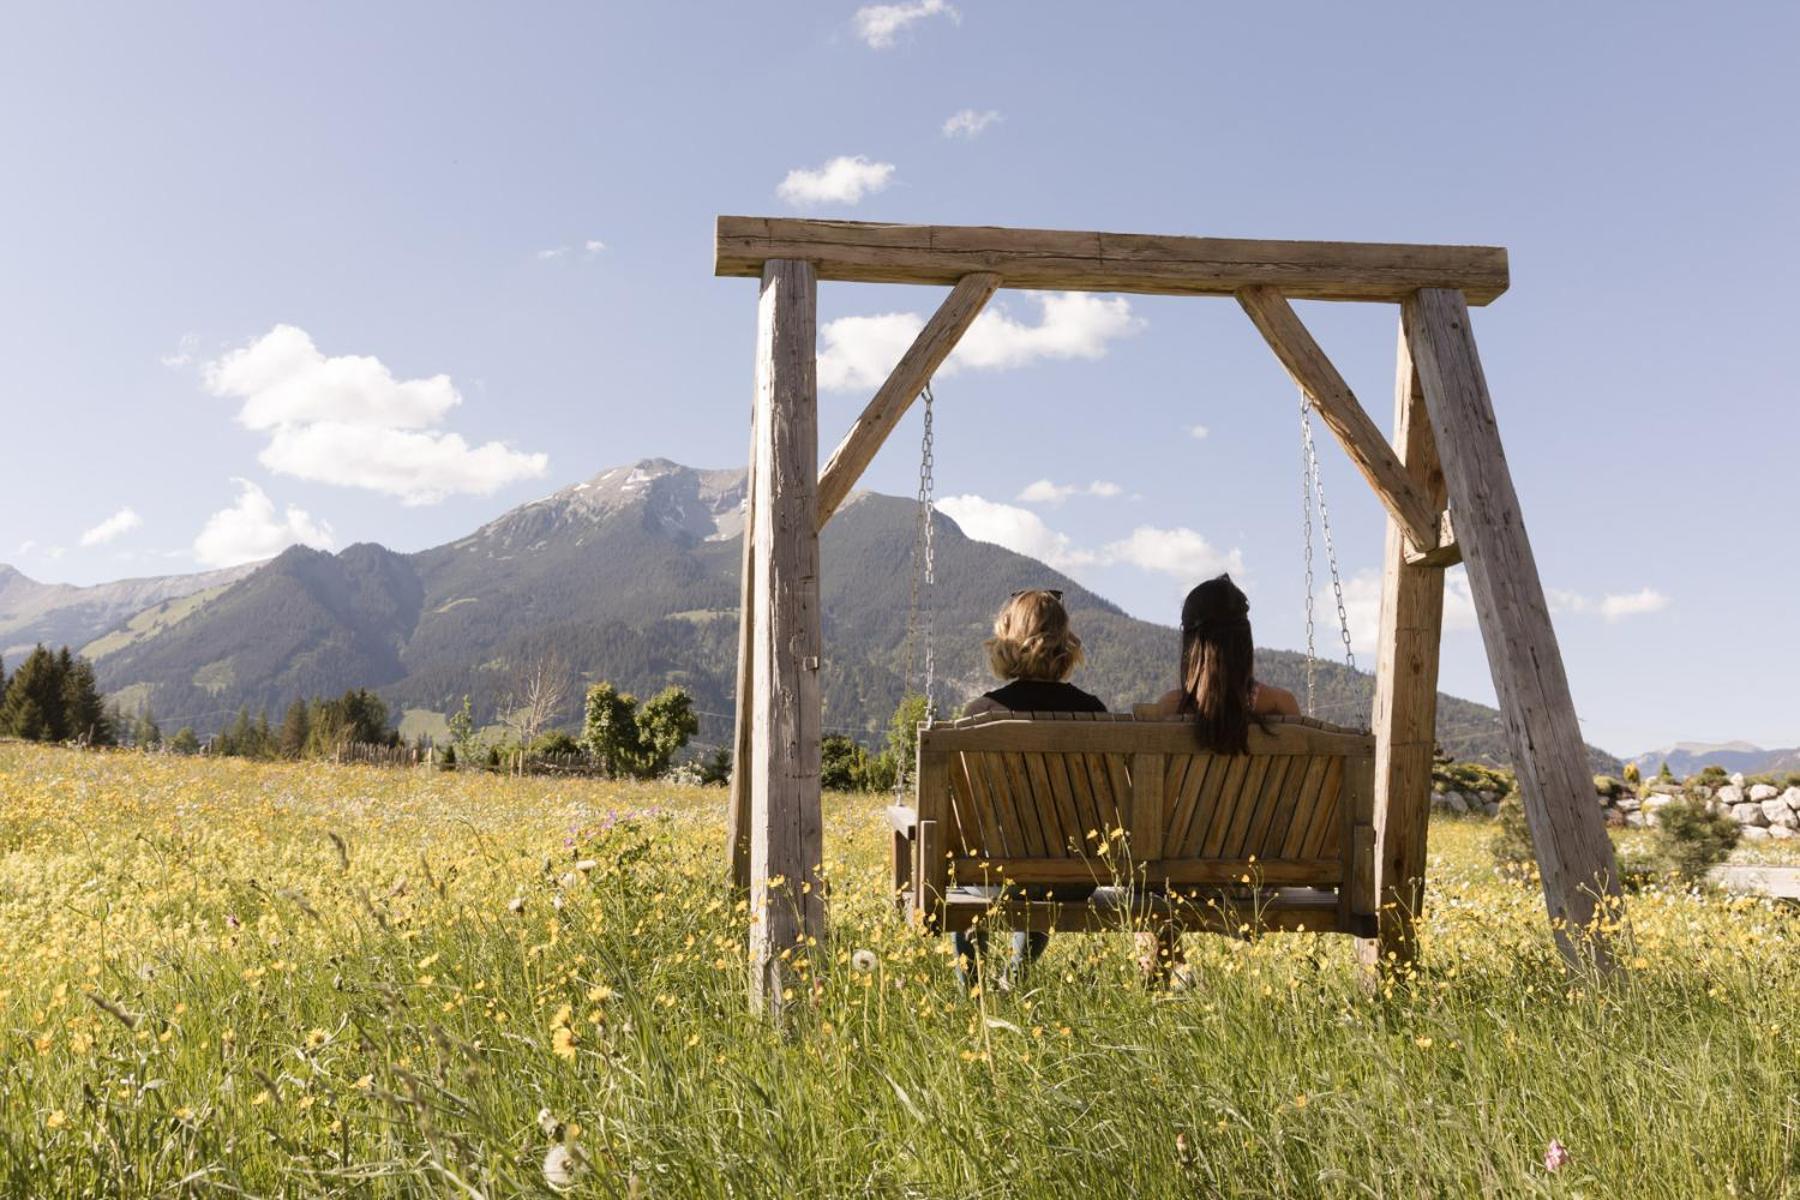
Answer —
(1027, 945)
(971, 948)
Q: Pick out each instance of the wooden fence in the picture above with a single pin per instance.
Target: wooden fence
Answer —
(512, 762)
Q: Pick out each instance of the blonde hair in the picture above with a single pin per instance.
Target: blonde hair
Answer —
(1032, 639)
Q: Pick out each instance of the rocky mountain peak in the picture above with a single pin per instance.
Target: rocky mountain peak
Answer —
(678, 500)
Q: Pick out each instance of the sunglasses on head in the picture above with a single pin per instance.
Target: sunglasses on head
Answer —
(1055, 593)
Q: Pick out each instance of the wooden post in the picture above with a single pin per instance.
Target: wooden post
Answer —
(1575, 857)
(738, 820)
(786, 827)
(1406, 673)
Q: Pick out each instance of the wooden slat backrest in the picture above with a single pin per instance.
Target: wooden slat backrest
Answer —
(1034, 797)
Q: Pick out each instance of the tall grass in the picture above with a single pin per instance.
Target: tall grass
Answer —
(231, 978)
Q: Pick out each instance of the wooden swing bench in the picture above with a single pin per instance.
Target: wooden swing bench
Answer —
(1281, 838)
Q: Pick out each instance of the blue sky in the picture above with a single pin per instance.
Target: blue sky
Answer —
(233, 233)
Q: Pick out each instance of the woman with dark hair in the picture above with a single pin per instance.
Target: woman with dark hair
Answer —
(1218, 681)
(1220, 692)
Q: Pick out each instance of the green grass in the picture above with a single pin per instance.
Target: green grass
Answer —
(296, 1020)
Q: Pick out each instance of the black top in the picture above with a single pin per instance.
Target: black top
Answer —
(1037, 695)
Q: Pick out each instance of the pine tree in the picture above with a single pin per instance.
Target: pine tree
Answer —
(146, 733)
(295, 730)
(33, 708)
(185, 741)
(84, 711)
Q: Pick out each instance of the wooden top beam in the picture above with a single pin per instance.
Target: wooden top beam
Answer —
(870, 252)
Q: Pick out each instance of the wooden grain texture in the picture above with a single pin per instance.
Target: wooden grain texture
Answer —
(1306, 802)
(1127, 736)
(1406, 677)
(1317, 872)
(1322, 839)
(786, 824)
(1148, 780)
(891, 401)
(1310, 368)
(931, 871)
(868, 252)
(1575, 857)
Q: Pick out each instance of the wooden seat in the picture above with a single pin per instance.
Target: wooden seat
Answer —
(1013, 807)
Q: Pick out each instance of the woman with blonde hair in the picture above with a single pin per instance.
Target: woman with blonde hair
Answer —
(1035, 651)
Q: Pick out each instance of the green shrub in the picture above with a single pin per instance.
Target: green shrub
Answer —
(555, 742)
(1712, 776)
(1692, 840)
(715, 768)
(1470, 778)
(1606, 785)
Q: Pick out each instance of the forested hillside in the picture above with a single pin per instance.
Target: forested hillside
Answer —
(632, 577)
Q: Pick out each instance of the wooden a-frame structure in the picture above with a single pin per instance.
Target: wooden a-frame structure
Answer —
(1444, 461)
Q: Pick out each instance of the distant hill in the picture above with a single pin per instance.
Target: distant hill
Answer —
(1687, 758)
(632, 576)
(59, 614)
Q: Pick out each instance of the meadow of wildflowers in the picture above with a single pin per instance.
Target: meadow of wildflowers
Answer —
(233, 978)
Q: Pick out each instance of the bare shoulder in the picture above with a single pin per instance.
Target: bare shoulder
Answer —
(1168, 704)
(1276, 702)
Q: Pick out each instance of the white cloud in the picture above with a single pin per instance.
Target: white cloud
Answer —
(589, 248)
(1198, 431)
(1017, 529)
(1645, 600)
(1180, 552)
(1613, 606)
(1046, 492)
(251, 530)
(184, 353)
(860, 351)
(418, 467)
(969, 124)
(26, 547)
(348, 421)
(1362, 604)
(115, 526)
(845, 179)
(879, 24)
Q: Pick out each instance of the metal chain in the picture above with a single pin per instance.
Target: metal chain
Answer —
(1308, 473)
(924, 576)
(1313, 492)
(927, 552)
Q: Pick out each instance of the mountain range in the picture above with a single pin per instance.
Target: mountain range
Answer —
(631, 576)
(1686, 758)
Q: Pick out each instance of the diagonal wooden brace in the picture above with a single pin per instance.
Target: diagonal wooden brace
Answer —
(1309, 367)
(912, 373)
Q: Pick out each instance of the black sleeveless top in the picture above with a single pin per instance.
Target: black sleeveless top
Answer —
(1038, 695)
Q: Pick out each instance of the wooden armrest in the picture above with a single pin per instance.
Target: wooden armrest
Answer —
(902, 818)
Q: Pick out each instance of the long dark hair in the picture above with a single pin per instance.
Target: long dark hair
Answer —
(1216, 663)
